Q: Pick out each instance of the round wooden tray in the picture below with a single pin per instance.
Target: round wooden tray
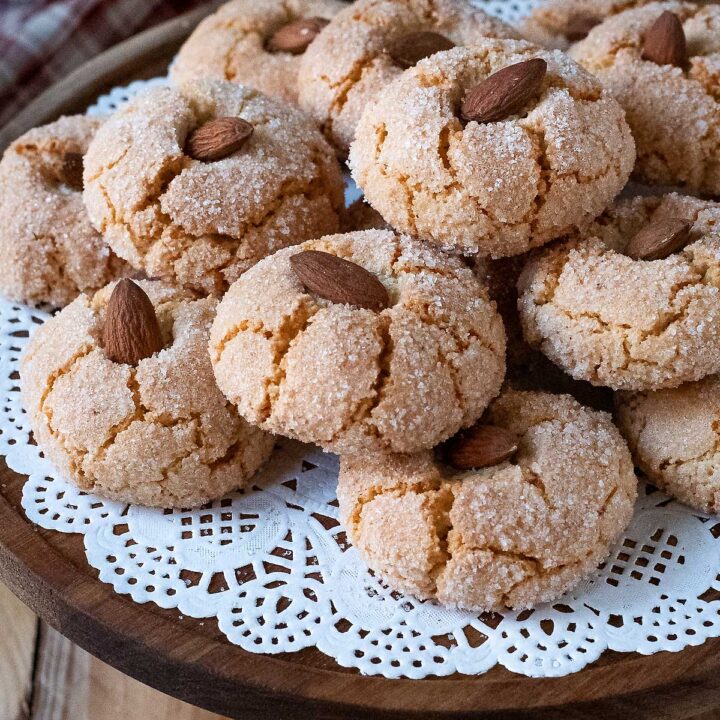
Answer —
(193, 661)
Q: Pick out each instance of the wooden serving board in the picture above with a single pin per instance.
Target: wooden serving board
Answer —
(193, 661)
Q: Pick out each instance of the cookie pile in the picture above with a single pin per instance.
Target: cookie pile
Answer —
(423, 337)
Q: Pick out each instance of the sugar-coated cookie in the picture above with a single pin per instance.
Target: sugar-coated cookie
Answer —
(400, 374)
(239, 42)
(671, 99)
(187, 217)
(156, 433)
(499, 186)
(50, 251)
(513, 534)
(357, 54)
(560, 23)
(629, 324)
(674, 437)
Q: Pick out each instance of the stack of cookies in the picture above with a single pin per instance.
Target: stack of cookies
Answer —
(215, 291)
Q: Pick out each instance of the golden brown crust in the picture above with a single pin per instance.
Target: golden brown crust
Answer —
(512, 535)
(351, 379)
(160, 434)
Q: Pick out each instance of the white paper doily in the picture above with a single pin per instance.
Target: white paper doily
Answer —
(273, 565)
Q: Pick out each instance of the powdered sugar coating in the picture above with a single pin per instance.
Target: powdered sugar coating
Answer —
(346, 67)
(511, 535)
(674, 437)
(674, 112)
(201, 224)
(50, 251)
(629, 324)
(496, 188)
(231, 44)
(160, 434)
(350, 379)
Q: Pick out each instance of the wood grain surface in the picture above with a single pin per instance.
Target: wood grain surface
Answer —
(18, 629)
(44, 676)
(192, 660)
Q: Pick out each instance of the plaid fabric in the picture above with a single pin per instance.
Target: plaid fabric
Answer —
(41, 41)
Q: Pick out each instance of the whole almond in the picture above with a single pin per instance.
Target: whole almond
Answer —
(410, 49)
(218, 138)
(659, 239)
(131, 331)
(665, 42)
(339, 280)
(71, 171)
(579, 25)
(480, 446)
(504, 92)
(295, 37)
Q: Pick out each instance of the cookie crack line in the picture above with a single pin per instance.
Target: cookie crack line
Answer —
(362, 414)
(292, 327)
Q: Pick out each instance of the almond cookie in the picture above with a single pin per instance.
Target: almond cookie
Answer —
(664, 72)
(165, 200)
(258, 43)
(560, 23)
(510, 534)
(155, 432)
(369, 44)
(546, 150)
(674, 437)
(630, 323)
(51, 253)
(396, 349)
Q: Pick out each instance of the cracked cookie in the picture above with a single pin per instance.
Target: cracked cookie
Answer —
(201, 223)
(560, 23)
(352, 60)
(671, 100)
(403, 377)
(497, 186)
(630, 324)
(513, 534)
(51, 253)
(258, 43)
(674, 437)
(156, 433)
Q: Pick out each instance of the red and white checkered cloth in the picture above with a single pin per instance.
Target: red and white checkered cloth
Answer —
(41, 41)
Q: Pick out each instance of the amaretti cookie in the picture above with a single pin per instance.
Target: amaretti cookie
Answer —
(195, 185)
(50, 251)
(560, 23)
(674, 437)
(543, 490)
(359, 341)
(122, 399)
(258, 43)
(369, 44)
(492, 149)
(635, 303)
(660, 62)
